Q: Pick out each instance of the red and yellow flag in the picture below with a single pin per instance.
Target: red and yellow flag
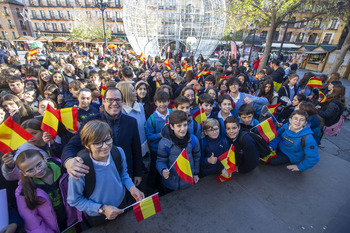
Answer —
(267, 130)
(183, 167)
(50, 121)
(277, 85)
(147, 207)
(142, 58)
(202, 73)
(167, 64)
(157, 84)
(123, 46)
(131, 52)
(200, 116)
(267, 159)
(221, 178)
(32, 52)
(186, 67)
(69, 117)
(103, 90)
(223, 77)
(12, 135)
(321, 96)
(166, 122)
(314, 82)
(273, 108)
(168, 49)
(228, 160)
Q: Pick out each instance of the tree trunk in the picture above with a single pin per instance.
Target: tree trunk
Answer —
(268, 44)
(341, 55)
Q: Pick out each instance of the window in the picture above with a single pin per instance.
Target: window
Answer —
(317, 23)
(59, 3)
(312, 38)
(288, 36)
(3, 35)
(275, 36)
(51, 14)
(60, 14)
(42, 14)
(316, 58)
(50, 3)
(334, 24)
(88, 14)
(63, 27)
(6, 11)
(36, 26)
(300, 37)
(263, 35)
(24, 33)
(69, 15)
(14, 35)
(304, 23)
(33, 12)
(18, 12)
(10, 23)
(23, 26)
(54, 27)
(327, 38)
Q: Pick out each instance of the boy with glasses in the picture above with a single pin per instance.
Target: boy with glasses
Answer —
(295, 144)
(213, 145)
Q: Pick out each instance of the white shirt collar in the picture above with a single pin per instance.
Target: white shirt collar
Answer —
(105, 164)
(161, 115)
(220, 116)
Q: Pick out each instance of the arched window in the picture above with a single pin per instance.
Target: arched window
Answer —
(312, 38)
(300, 37)
(288, 36)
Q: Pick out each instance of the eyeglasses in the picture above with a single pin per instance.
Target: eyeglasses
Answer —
(99, 145)
(213, 130)
(298, 120)
(37, 167)
(111, 100)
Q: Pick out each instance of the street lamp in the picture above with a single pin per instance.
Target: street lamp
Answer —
(102, 5)
(231, 36)
(71, 34)
(252, 47)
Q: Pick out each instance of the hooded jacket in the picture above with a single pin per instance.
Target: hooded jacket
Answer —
(278, 74)
(331, 112)
(289, 143)
(168, 152)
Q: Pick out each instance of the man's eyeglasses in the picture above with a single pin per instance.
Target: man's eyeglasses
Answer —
(111, 100)
(99, 145)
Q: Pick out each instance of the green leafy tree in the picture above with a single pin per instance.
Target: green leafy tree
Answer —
(86, 28)
(242, 13)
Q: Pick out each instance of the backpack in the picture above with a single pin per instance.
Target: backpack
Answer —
(153, 120)
(333, 130)
(90, 178)
(263, 147)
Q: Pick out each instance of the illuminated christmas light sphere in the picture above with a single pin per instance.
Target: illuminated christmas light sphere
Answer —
(190, 25)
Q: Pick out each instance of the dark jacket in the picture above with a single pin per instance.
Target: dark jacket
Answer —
(331, 112)
(82, 73)
(125, 135)
(277, 75)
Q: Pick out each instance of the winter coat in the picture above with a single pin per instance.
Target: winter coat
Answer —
(168, 152)
(289, 143)
(277, 75)
(43, 217)
(331, 112)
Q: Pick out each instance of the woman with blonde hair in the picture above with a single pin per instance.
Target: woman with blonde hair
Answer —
(134, 109)
(45, 78)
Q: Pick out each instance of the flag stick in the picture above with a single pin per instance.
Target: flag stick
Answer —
(260, 123)
(138, 202)
(272, 114)
(227, 156)
(176, 159)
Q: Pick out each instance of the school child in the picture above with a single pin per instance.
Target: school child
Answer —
(213, 92)
(295, 144)
(97, 196)
(71, 99)
(95, 95)
(153, 128)
(225, 106)
(190, 93)
(2, 114)
(51, 91)
(314, 120)
(287, 110)
(289, 89)
(13, 105)
(16, 85)
(246, 118)
(177, 138)
(246, 150)
(42, 192)
(212, 146)
(94, 78)
(31, 98)
(40, 142)
(183, 104)
(257, 82)
(85, 109)
(60, 81)
(206, 102)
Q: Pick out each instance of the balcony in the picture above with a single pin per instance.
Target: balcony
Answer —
(119, 20)
(23, 27)
(59, 3)
(110, 20)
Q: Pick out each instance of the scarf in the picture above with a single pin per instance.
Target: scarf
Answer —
(182, 143)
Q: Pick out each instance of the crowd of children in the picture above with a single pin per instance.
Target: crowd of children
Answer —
(132, 111)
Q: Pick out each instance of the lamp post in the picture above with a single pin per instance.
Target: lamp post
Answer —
(71, 35)
(251, 49)
(231, 36)
(100, 4)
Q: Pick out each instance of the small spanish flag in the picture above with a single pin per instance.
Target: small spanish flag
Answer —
(103, 90)
(32, 52)
(12, 135)
(167, 64)
(277, 85)
(142, 58)
(223, 77)
(183, 167)
(131, 52)
(267, 159)
(157, 84)
(200, 116)
(267, 130)
(314, 82)
(186, 67)
(221, 178)
(323, 96)
(168, 49)
(123, 46)
(69, 117)
(147, 207)
(202, 73)
(273, 108)
(50, 121)
(228, 160)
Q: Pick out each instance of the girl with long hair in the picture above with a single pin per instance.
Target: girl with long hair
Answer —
(45, 78)
(14, 106)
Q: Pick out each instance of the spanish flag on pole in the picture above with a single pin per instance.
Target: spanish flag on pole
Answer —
(186, 67)
(69, 117)
(32, 52)
(168, 49)
(267, 159)
(147, 207)
(157, 84)
(103, 90)
(183, 167)
(323, 96)
(273, 108)
(221, 178)
(202, 73)
(200, 116)
(142, 58)
(228, 160)
(167, 64)
(267, 130)
(123, 46)
(12, 135)
(50, 121)
(314, 82)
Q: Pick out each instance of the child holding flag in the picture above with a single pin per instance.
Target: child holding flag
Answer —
(176, 141)
(295, 144)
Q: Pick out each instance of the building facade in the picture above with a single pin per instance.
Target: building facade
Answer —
(56, 17)
(12, 23)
